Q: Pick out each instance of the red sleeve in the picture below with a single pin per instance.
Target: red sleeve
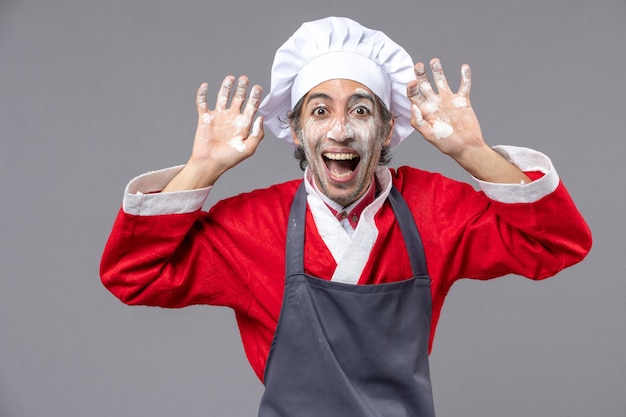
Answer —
(164, 261)
(224, 257)
(475, 237)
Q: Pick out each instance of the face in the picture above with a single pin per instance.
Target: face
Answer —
(341, 137)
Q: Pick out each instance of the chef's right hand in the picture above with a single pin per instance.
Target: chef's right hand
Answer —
(225, 136)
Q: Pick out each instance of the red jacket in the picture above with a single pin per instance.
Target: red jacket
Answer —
(234, 254)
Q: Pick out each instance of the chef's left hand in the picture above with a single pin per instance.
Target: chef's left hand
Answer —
(447, 120)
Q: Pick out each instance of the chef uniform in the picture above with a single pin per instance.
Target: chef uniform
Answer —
(338, 349)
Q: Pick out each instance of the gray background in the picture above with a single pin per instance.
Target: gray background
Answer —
(93, 93)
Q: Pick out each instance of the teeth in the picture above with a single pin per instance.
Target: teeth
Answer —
(340, 156)
(339, 175)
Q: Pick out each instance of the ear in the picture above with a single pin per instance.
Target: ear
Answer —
(388, 139)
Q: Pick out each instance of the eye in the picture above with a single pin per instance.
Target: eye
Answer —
(319, 111)
(362, 111)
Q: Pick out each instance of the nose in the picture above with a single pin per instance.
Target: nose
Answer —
(340, 131)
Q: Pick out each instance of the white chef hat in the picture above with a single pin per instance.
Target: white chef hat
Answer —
(332, 48)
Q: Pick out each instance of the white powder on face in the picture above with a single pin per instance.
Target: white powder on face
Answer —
(237, 143)
(460, 102)
(441, 129)
(331, 133)
(365, 135)
(339, 131)
(363, 92)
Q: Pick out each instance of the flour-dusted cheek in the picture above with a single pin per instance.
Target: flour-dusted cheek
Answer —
(317, 129)
(366, 135)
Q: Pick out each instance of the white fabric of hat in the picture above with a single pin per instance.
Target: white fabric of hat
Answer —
(332, 48)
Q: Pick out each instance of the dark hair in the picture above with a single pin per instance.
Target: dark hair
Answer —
(294, 117)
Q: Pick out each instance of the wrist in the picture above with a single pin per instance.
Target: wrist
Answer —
(486, 164)
(475, 159)
(193, 176)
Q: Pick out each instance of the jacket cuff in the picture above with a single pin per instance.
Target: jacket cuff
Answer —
(527, 160)
(142, 196)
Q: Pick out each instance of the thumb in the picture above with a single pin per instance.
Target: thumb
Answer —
(257, 133)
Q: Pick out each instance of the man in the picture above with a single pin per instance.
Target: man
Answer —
(337, 280)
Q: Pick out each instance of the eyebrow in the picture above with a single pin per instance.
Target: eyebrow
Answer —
(362, 96)
(353, 97)
(316, 96)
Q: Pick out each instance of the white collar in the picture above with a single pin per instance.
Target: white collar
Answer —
(350, 249)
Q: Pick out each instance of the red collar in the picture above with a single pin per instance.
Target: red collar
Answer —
(354, 214)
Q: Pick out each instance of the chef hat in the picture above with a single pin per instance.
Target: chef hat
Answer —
(332, 48)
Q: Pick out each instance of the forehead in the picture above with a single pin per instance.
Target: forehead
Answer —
(339, 89)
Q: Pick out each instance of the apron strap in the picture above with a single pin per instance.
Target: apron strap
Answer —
(294, 261)
(412, 238)
(294, 252)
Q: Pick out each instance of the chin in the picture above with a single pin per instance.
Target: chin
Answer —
(343, 196)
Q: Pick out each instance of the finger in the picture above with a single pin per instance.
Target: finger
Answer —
(413, 93)
(466, 81)
(439, 76)
(257, 129)
(417, 119)
(257, 133)
(422, 80)
(253, 102)
(224, 94)
(249, 144)
(240, 93)
(201, 102)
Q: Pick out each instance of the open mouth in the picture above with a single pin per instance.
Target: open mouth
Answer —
(341, 166)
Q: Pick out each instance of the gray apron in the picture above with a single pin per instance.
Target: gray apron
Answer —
(344, 350)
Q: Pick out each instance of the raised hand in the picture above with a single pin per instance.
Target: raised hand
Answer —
(447, 120)
(225, 136)
(444, 118)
